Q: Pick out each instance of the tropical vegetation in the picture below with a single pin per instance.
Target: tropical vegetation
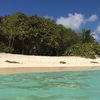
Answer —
(34, 35)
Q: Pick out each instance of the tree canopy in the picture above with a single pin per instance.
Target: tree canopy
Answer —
(36, 35)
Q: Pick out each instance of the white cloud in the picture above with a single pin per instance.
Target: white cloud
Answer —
(98, 29)
(73, 21)
(97, 37)
(96, 33)
(92, 18)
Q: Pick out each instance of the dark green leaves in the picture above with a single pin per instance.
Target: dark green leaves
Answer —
(39, 36)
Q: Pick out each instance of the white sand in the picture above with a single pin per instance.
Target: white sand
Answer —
(72, 63)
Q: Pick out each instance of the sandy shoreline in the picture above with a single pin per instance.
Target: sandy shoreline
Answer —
(13, 63)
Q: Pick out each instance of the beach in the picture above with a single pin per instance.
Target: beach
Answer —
(14, 63)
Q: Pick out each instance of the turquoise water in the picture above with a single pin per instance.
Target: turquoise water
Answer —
(83, 85)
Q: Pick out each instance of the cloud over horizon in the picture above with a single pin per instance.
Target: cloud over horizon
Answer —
(92, 18)
(98, 29)
(74, 21)
(96, 33)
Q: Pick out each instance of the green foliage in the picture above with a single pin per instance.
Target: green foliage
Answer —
(97, 49)
(2, 46)
(84, 50)
(8, 50)
(86, 36)
(39, 36)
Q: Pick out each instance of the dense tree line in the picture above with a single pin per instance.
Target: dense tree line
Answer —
(35, 35)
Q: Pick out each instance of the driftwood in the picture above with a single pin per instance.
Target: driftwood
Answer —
(62, 62)
(11, 61)
(95, 62)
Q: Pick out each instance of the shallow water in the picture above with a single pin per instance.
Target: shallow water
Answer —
(81, 85)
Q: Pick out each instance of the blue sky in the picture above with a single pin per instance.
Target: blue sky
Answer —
(54, 8)
(75, 14)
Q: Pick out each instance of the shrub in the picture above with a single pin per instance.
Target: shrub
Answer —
(97, 49)
(2, 45)
(84, 50)
(8, 50)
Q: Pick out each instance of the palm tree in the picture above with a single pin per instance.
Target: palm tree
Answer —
(86, 36)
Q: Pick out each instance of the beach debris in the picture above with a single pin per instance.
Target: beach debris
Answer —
(12, 61)
(95, 62)
(62, 62)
